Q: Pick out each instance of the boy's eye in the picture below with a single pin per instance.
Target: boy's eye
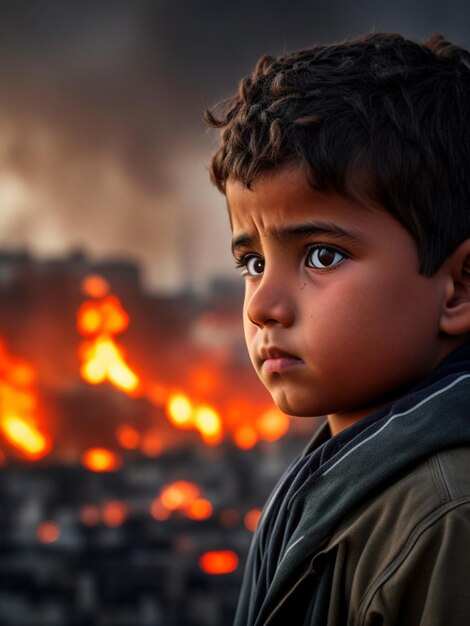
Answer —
(323, 257)
(253, 265)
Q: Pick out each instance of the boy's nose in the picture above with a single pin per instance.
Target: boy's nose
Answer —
(269, 304)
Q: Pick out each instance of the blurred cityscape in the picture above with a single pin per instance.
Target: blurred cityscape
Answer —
(137, 447)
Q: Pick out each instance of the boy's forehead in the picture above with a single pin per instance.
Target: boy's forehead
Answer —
(270, 199)
(287, 209)
(285, 197)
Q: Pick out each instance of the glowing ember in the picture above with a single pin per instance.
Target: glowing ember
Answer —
(152, 444)
(157, 394)
(183, 414)
(25, 437)
(48, 532)
(218, 562)
(245, 437)
(200, 509)
(19, 408)
(207, 421)
(272, 425)
(95, 286)
(100, 460)
(159, 511)
(128, 437)
(204, 380)
(105, 316)
(252, 519)
(179, 495)
(115, 513)
(103, 359)
(180, 411)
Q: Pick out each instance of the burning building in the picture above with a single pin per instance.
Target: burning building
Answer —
(104, 354)
(137, 447)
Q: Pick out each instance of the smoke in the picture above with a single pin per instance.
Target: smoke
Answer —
(102, 147)
(94, 157)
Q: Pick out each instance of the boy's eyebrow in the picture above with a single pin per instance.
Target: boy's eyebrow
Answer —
(246, 240)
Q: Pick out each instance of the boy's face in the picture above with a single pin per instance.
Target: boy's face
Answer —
(337, 319)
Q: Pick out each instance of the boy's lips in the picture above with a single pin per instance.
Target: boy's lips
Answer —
(277, 360)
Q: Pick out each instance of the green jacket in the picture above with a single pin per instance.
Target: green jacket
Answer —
(401, 558)
(372, 528)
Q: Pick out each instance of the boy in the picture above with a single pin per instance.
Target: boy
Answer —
(347, 175)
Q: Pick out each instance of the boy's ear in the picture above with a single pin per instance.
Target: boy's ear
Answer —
(455, 318)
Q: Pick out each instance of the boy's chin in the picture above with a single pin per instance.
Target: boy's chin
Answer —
(296, 407)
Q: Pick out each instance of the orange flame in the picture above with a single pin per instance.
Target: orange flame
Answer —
(245, 437)
(48, 532)
(100, 460)
(252, 518)
(179, 495)
(158, 510)
(183, 414)
(100, 319)
(272, 425)
(152, 444)
(19, 407)
(180, 410)
(128, 437)
(102, 358)
(95, 286)
(182, 496)
(200, 509)
(115, 513)
(218, 562)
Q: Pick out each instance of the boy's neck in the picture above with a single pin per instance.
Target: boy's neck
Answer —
(340, 421)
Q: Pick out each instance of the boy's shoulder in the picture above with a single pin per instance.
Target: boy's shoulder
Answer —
(414, 499)
(388, 549)
(376, 520)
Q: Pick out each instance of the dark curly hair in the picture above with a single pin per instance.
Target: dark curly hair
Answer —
(380, 109)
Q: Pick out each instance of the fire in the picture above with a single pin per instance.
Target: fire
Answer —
(179, 495)
(95, 286)
(152, 444)
(218, 562)
(102, 358)
(180, 411)
(252, 518)
(245, 437)
(48, 532)
(158, 511)
(100, 319)
(272, 425)
(100, 460)
(200, 509)
(182, 496)
(185, 415)
(207, 421)
(115, 513)
(128, 437)
(19, 407)
(24, 436)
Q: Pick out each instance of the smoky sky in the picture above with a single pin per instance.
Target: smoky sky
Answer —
(102, 144)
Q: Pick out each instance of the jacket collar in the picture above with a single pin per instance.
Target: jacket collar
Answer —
(344, 470)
